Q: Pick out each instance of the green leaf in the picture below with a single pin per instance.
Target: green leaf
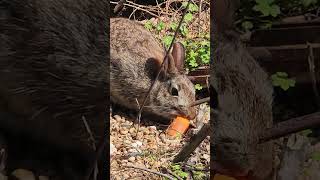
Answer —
(193, 7)
(173, 26)
(282, 74)
(176, 167)
(160, 26)
(307, 3)
(198, 87)
(183, 174)
(193, 64)
(188, 17)
(167, 40)
(316, 156)
(247, 25)
(306, 132)
(184, 30)
(274, 10)
(148, 25)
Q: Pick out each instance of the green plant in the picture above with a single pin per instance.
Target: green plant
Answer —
(198, 87)
(255, 14)
(316, 156)
(306, 132)
(267, 8)
(197, 49)
(176, 169)
(281, 79)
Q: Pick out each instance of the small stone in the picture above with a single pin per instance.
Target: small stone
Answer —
(23, 174)
(123, 132)
(152, 128)
(131, 159)
(132, 130)
(113, 149)
(117, 117)
(136, 144)
(3, 177)
(126, 176)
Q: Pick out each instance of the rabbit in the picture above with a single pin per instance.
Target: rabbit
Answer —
(136, 58)
(242, 94)
(54, 73)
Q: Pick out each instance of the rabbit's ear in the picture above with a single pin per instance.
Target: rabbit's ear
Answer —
(172, 69)
(178, 54)
(223, 12)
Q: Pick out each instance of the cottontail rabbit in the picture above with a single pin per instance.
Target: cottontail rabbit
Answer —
(136, 57)
(244, 101)
(53, 73)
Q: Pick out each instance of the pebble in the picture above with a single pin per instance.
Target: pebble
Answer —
(136, 144)
(152, 128)
(131, 159)
(113, 149)
(117, 117)
(23, 174)
(123, 132)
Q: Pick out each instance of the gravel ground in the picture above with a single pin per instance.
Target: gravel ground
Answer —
(151, 148)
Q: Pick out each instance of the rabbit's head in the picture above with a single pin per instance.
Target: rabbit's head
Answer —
(174, 92)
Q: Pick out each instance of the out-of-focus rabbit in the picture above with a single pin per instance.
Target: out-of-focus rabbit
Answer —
(243, 101)
(136, 58)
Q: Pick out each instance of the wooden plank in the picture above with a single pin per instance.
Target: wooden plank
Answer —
(285, 36)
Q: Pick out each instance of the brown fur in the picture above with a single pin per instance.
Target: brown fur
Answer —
(244, 96)
(54, 70)
(135, 60)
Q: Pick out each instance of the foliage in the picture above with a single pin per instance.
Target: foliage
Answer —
(176, 169)
(197, 175)
(197, 49)
(281, 79)
(255, 14)
(316, 156)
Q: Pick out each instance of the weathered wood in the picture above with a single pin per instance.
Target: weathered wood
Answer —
(285, 36)
(193, 143)
(291, 126)
(278, 130)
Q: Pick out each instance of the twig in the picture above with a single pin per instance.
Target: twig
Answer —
(291, 126)
(136, 7)
(151, 171)
(199, 27)
(193, 143)
(313, 74)
(95, 169)
(89, 132)
(200, 101)
(172, 173)
(162, 65)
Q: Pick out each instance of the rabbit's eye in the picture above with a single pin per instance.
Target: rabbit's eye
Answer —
(174, 91)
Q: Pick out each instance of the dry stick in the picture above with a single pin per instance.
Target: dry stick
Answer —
(200, 101)
(199, 27)
(161, 67)
(119, 6)
(278, 130)
(313, 74)
(91, 138)
(151, 171)
(136, 7)
(193, 144)
(291, 126)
